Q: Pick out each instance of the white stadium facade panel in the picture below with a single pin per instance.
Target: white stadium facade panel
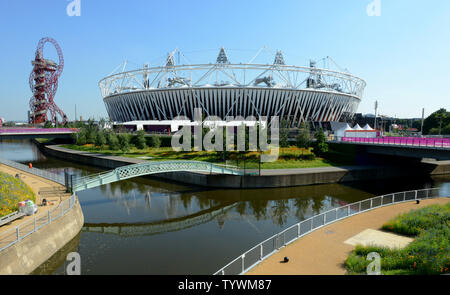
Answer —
(292, 93)
(295, 106)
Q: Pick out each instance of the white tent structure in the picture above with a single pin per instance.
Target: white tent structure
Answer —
(357, 127)
(358, 132)
(342, 131)
(367, 127)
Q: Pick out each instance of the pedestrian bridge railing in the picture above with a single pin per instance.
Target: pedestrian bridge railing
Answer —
(263, 250)
(37, 130)
(146, 168)
(400, 141)
(32, 225)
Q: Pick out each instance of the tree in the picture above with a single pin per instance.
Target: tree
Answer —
(433, 131)
(100, 139)
(303, 139)
(81, 138)
(155, 141)
(124, 142)
(446, 130)
(284, 134)
(439, 120)
(112, 141)
(140, 140)
(102, 123)
(320, 147)
(91, 131)
(48, 124)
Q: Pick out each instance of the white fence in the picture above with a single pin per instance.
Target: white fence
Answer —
(41, 173)
(26, 228)
(263, 250)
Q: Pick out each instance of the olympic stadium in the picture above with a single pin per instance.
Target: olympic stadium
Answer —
(225, 89)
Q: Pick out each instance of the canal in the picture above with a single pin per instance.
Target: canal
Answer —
(148, 226)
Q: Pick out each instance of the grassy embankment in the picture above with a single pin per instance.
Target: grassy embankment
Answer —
(13, 191)
(291, 157)
(428, 254)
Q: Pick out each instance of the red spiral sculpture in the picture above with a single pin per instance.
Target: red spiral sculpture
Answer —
(44, 83)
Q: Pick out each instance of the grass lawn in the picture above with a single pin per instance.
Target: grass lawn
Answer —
(44, 140)
(13, 191)
(429, 254)
(291, 157)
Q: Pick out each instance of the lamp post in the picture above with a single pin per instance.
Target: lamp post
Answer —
(423, 118)
(376, 108)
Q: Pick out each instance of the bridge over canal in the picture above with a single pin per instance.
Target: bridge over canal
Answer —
(432, 148)
(148, 168)
(31, 133)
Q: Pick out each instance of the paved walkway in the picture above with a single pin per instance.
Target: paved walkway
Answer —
(36, 184)
(323, 252)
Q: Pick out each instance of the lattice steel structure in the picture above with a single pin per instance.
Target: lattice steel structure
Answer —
(147, 168)
(296, 94)
(44, 83)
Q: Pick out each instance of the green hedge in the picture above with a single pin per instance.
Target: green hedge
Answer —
(166, 140)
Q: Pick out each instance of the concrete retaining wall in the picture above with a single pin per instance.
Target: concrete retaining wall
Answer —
(25, 256)
(291, 180)
(319, 176)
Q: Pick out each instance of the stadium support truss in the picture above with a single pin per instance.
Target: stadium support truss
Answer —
(223, 89)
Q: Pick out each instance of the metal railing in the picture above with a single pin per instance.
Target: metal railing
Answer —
(401, 141)
(37, 130)
(263, 250)
(38, 172)
(146, 168)
(28, 227)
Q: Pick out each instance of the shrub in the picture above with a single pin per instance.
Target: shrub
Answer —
(140, 140)
(81, 138)
(303, 139)
(13, 191)
(112, 141)
(124, 142)
(427, 254)
(412, 223)
(320, 147)
(100, 139)
(155, 141)
(295, 154)
(91, 131)
(357, 264)
(284, 134)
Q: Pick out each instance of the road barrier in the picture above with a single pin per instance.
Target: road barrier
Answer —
(402, 141)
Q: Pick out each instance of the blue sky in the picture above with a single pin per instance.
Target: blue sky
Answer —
(403, 54)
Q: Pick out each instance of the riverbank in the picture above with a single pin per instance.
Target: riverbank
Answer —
(288, 157)
(29, 253)
(312, 254)
(269, 178)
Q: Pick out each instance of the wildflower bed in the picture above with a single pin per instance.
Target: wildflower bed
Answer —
(13, 191)
(428, 254)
